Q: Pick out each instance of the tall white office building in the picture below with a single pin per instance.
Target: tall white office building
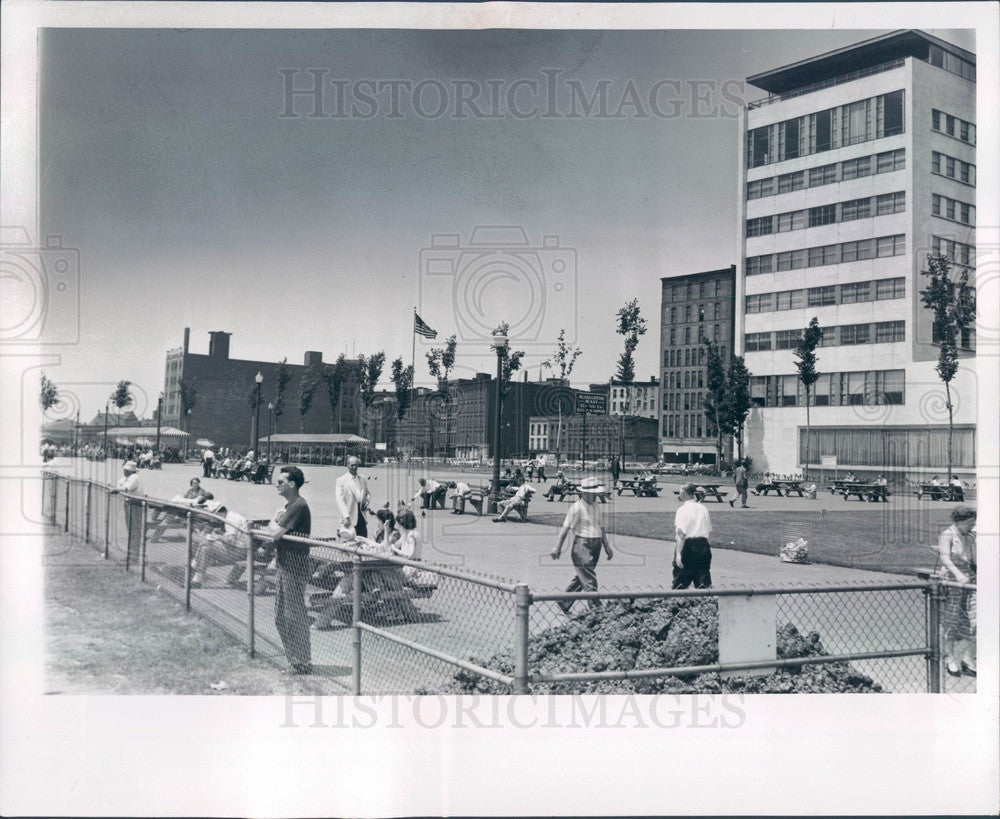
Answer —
(858, 164)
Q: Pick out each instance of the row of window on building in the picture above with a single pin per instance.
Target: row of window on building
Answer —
(879, 332)
(953, 126)
(879, 247)
(836, 127)
(684, 379)
(711, 289)
(852, 209)
(693, 335)
(868, 387)
(690, 425)
(683, 400)
(851, 293)
(687, 357)
(694, 312)
(954, 210)
(828, 174)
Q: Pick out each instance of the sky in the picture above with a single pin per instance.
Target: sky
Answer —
(166, 161)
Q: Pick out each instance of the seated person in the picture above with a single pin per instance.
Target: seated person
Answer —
(936, 481)
(957, 488)
(228, 547)
(766, 483)
(518, 478)
(881, 481)
(409, 544)
(519, 503)
(223, 469)
(850, 477)
(462, 494)
(162, 519)
(559, 487)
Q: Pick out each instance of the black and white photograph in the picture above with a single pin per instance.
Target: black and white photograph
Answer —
(504, 388)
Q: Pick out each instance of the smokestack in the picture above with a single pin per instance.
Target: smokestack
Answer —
(187, 338)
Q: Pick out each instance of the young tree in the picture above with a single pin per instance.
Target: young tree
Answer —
(49, 395)
(402, 380)
(307, 394)
(716, 409)
(335, 376)
(282, 375)
(440, 361)
(631, 325)
(738, 403)
(371, 371)
(122, 397)
(562, 360)
(805, 363)
(950, 301)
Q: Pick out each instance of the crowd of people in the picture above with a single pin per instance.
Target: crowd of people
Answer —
(583, 528)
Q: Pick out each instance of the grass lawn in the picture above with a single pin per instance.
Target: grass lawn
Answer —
(108, 633)
(892, 540)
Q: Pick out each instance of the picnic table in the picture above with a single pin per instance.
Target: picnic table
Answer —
(864, 490)
(947, 493)
(571, 488)
(703, 490)
(640, 487)
(783, 487)
(386, 592)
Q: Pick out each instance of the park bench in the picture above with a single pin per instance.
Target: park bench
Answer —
(476, 498)
(945, 493)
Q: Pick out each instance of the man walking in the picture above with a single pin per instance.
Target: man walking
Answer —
(740, 482)
(616, 471)
(290, 614)
(692, 552)
(584, 520)
(207, 462)
(352, 497)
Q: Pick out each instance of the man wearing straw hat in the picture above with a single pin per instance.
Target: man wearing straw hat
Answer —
(584, 520)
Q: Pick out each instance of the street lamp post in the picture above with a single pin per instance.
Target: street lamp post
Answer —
(159, 414)
(258, 380)
(107, 409)
(500, 345)
(270, 422)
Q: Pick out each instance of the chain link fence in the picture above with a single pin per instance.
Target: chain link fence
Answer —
(382, 624)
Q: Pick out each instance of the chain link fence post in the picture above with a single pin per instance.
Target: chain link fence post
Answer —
(66, 517)
(142, 544)
(86, 517)
(355, 619)
(251, 591)
(934, 635)
(522, 606)
(107, 523)
(187, 563)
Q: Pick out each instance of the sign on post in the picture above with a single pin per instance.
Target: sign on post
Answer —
(591, 403)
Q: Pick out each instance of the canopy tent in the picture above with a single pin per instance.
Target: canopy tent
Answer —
(310, 448)
(169, 436)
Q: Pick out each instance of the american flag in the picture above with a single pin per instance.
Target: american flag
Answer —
(422, 329)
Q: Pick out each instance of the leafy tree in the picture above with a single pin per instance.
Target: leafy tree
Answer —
(307, 394)
(738, 403)
(122, 397)
(282, 375)
(951, 304)
(631, 325)
(335, 376)
(49, 395)
(371, 371)
(402, 380)
(562, 360)
(440, 361)
(805, 363)
(510, 362)
(716, 407)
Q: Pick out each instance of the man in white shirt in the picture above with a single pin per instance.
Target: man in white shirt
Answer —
(692, 552)
(462, 493)
(519, 503)
(584, 520)
(352, 497)
(431, 494)
(130, 484)
(207, 462)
